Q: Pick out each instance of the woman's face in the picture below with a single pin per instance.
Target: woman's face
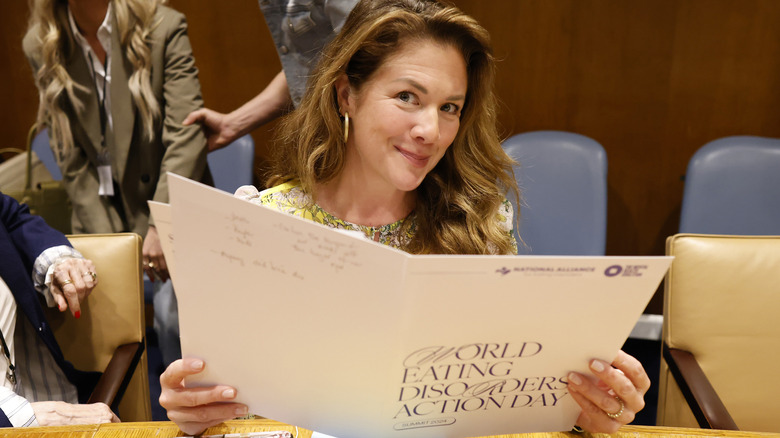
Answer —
(403, 119)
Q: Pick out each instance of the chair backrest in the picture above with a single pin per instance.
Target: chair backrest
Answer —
(112, 315)
(732, 186)
(233, 166)
(722, 295)
(40, 145)
(563, 187)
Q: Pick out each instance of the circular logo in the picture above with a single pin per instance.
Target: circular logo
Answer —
(613, 270)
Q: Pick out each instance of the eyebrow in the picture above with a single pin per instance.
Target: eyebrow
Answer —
(424, 90)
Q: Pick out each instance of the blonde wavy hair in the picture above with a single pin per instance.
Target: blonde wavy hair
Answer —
(458, 201)
(48, 27)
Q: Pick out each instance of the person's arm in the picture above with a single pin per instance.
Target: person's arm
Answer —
(222, 129)
(49, 255)
(59, 413)
(16, 411)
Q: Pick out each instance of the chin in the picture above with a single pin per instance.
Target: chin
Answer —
(409, 186)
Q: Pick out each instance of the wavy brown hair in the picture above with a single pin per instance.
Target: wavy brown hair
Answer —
(458, 201)
(48, 28)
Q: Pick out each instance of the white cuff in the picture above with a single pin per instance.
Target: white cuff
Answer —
(18, 410)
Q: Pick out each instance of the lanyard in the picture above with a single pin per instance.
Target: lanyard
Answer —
(106, 187)
(10, 374)
(102, 106)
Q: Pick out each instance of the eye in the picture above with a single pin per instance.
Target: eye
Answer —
(407, 97)
(450, 108)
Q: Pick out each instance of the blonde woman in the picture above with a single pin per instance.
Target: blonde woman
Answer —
(115, 80)
(396, 138)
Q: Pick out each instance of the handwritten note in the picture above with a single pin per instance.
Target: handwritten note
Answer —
(351, 338)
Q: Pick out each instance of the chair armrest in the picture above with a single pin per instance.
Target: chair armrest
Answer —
(112, 384)
(707, 407)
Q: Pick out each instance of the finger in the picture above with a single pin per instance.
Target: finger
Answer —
(194, 420)
(592, 418)
(195, 116)
(76, 274)
(88, 273)
(149, 271)
(619, 385)
(62, 276)
(174, 399)
(632, 369)
(162, 268)
(599, 397)
(173, 376)
(76, 291)
(164, 276)
(56, 293)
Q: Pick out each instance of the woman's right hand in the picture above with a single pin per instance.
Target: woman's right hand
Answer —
(216, 126)
(198, 408)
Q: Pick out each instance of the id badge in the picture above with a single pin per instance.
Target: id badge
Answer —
(106, 182)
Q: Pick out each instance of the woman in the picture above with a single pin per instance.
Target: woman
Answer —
(114, 139)
(115, 80)
(397, 138)
(43, 388)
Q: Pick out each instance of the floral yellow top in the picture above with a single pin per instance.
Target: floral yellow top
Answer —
(290, 198)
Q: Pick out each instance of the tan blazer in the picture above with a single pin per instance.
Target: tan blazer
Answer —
(138, 165)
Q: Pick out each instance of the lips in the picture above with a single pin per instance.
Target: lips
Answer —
(414, 159)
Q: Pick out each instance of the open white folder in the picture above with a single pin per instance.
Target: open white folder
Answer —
(355, 339)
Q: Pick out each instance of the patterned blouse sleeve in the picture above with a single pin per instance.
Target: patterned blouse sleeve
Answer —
(507, 222)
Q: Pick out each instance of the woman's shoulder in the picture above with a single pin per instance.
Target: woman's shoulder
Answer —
(167, 19)
(168, 13)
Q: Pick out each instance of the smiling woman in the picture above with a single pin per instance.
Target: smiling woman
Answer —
(396, 138)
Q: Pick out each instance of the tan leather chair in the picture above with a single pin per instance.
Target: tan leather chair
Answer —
(721, 333)
(109, 336)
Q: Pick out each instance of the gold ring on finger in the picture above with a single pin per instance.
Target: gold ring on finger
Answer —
(64, 282)
(91, 274)
(617, 414)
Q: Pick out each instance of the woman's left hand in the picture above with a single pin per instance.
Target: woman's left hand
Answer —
(72, 281)
(154, 259)
(613, 400)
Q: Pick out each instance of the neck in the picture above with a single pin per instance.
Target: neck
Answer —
(88, 15)
(352, 200)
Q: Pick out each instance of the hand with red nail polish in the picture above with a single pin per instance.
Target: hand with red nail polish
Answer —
(73, 279)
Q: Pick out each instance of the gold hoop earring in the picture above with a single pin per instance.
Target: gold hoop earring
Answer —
(346, 127)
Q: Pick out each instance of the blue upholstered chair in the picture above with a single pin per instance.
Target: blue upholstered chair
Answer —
(732, 186)
(563, 183)
(233, 166)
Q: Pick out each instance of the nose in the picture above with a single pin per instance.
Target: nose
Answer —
(426, 126)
